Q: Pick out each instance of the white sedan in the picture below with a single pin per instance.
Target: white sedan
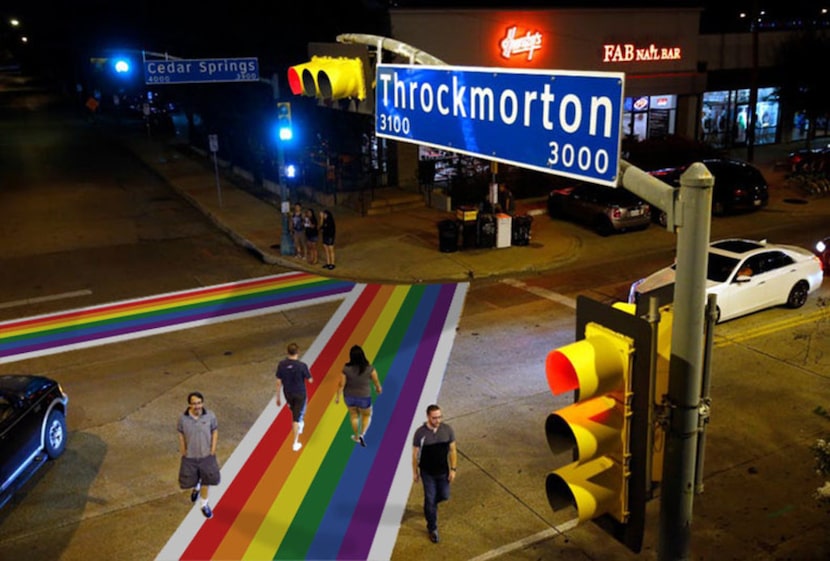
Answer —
(748, 276)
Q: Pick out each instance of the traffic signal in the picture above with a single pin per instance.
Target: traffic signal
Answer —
(329, 78)
(607, 427)
(285, 131)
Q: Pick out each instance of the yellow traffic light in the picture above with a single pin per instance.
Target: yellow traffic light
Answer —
(607, 430)
(599, 367)
(329, 78)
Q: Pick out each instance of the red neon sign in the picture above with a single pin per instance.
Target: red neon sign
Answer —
(512, 44)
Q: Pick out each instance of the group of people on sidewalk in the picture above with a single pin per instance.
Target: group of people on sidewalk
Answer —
(307, 229)
(434, 454)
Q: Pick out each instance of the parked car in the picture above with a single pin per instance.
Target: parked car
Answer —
(748, 276)
(32, 428)
(739, 186)
(606, 209)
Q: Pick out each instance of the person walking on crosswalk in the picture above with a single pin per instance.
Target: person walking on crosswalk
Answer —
(292, 374)
(355, 385)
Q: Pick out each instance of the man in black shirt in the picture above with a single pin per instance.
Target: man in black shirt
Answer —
(434, 462)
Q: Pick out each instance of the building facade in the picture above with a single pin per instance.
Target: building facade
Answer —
(678, 81)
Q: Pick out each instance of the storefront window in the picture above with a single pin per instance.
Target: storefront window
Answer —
(724, 117)
(649, 116)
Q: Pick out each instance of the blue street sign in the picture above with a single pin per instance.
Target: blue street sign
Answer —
(561, 122)
(189, 71)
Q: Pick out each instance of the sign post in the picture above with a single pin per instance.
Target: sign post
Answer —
(560, 122)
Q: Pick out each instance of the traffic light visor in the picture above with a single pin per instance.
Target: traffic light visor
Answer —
(592, 426)
(295, 80)
(592, 365)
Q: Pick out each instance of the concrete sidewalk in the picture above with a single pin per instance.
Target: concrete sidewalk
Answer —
(402, 247)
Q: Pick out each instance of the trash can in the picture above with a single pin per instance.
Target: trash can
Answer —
(486, 230)
(448, 236)
(469, 234)
(468, 224)
(521, 229)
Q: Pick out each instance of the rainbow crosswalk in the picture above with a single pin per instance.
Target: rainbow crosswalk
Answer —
(334, 499)
(75, 329)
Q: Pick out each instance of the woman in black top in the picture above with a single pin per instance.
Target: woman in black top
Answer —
(310, 223)
(327, 231)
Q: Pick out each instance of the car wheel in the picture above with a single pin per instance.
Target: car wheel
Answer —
(662, 219)
(798, 295)
(603, 226)
(717, 314)
(55, 436)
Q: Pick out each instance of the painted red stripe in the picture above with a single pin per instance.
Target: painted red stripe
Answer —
(209, 536)
(144, 302)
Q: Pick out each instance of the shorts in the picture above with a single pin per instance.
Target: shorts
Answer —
(328, 240)
(195, 470)
(311, 237)
(296, 402)
(359, 402)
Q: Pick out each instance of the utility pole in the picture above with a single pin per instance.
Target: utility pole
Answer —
(688, 212)
(752, 120)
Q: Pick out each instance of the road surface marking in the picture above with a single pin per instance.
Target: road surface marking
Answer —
(333, 499)
(129, 319)
(768, 328)
(49, 298)
(530, 540)
(542, 293)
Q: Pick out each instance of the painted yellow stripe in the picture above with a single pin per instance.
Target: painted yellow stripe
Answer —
(154, 306)
(768, 328)
(284, 508)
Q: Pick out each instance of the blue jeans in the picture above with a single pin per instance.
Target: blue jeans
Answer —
(436, 489)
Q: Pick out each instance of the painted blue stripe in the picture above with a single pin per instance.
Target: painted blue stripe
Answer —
(83, 333)
(361, 531)
(332, 531)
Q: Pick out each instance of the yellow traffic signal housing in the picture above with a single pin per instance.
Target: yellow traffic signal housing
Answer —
(599, 366)
(329, 78)
(607, 428)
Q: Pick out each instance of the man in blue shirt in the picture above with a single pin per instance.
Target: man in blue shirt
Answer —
(292, 374)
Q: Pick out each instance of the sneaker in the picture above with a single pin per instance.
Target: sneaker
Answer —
(362, 440)
(207, 512)
(300, 427)
(297, 446)
(331, 267)
(355, 438)
(433, 536)
(194, 494)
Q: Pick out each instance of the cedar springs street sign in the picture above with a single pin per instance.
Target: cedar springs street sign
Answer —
(561, 122)
(190, 71)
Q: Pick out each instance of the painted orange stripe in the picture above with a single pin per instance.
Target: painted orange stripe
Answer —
(235, 542)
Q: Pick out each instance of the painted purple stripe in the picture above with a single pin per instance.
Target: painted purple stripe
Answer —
(373, 499)
(400, 345)
(224, 306)
(127, 327)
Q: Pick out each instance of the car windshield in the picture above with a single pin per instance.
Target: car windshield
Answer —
(720, 267)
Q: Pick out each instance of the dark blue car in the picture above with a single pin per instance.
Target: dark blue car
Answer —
(32, 428)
